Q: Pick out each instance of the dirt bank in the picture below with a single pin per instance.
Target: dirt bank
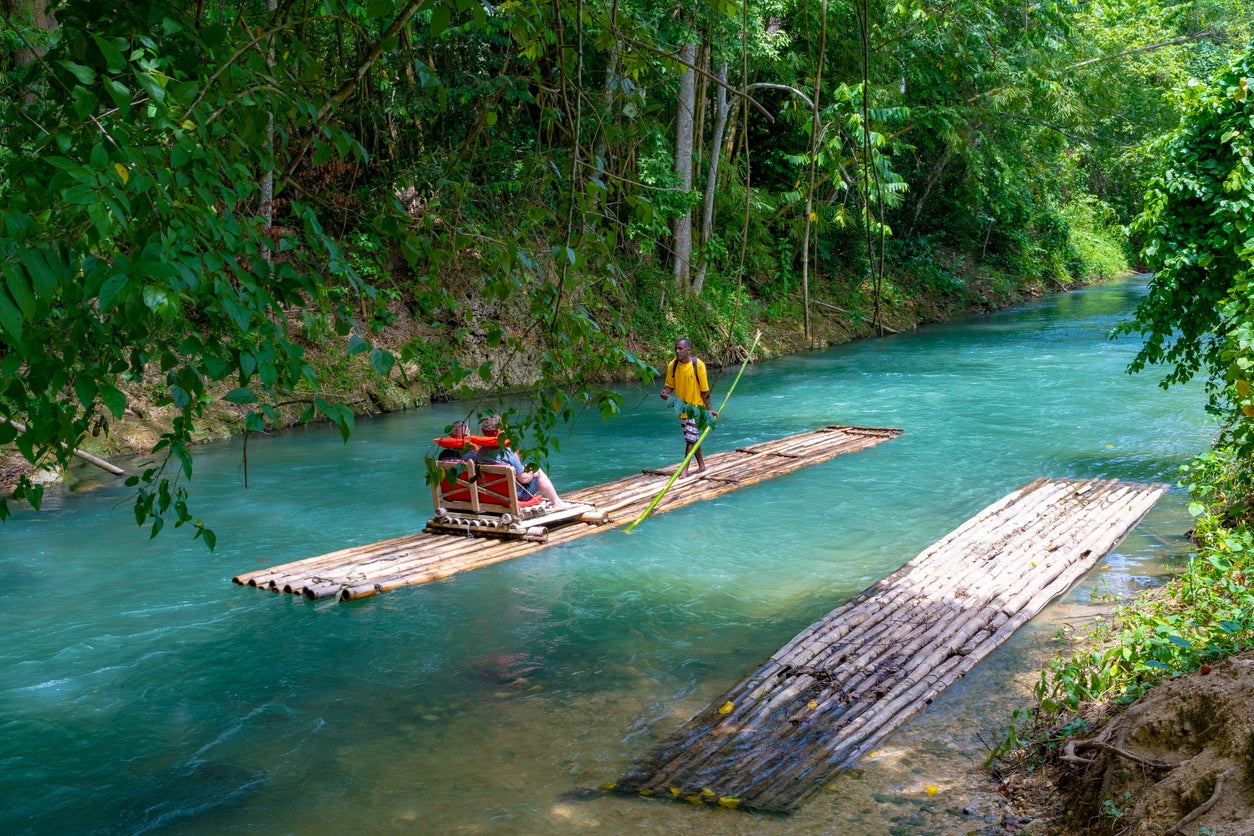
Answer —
(1178, 761)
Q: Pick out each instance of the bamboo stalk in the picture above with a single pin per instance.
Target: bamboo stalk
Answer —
(418, 558)
(761, 767)
(82, 454)
(766, 751)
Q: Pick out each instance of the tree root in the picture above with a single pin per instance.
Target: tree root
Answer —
(1069, 754)
(1201, 809)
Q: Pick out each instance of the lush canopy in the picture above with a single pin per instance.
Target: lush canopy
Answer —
(200, 203)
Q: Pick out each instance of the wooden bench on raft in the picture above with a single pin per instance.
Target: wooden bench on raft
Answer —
(481, 500)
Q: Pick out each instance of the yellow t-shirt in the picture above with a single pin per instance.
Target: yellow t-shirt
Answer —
(687, 385)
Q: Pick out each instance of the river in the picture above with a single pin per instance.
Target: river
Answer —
(142, 692)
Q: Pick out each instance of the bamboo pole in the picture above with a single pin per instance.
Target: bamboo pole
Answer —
(771, 750)
(360, 571)
(82, 454)
(761, 769)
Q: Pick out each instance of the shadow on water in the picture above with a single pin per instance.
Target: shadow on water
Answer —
(143, 692)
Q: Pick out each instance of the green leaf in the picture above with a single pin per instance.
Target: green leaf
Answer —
(383, 361)
(10, 317)
(21, 293)
(151, 87)
(85, 75)
(210, 538)
(120, 94)
(440, 17)
(240, 395)
(85, 102)
(43, 277)
(113, 399)
(85, 388)
(356, 345)
(112, 55)
(110, 289)
(239, 315)
(1180, 642)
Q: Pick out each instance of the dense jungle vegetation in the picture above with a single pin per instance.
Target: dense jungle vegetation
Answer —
(253, 206)
(261, 209)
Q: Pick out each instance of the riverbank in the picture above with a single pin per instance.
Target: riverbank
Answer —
(414, 384)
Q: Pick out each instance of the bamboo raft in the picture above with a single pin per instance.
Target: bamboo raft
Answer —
(846, 682)
(362, 571)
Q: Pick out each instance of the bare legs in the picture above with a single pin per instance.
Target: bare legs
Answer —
(545, 486)
(691, 439)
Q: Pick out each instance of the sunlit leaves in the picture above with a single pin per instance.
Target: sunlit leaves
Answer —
(131, 239)
(1199, 315)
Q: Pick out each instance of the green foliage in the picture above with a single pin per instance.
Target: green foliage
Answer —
(521, 156)
(1206, 612)
(1198, 318)
(1196, 228)
(1095, 233)
(132, 242)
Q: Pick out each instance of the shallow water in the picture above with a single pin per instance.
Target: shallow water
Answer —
(143, 692)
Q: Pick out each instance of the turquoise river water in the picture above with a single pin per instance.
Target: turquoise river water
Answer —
(142, 692)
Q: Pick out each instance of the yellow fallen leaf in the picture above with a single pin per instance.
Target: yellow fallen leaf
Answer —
(608, 785)
(726, 708)
(729, 802)
(812, 705)
(933, 789)
(675, 791)
(708, 792)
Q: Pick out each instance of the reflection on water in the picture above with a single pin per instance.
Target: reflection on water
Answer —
(143, 692)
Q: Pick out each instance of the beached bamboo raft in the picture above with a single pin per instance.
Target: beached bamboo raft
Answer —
(850, 679)
(362, 571)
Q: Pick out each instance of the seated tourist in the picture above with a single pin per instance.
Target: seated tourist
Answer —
(460, 430)
(530, 482)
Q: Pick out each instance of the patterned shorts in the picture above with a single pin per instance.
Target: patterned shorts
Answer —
(691, 434)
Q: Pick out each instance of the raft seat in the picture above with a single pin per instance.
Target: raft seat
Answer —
(481, 489)
(478, 499)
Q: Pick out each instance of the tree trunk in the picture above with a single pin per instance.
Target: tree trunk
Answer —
(814, 153)
(33, 14)
(600, 146)
(721, 108)
(267, 176)
(681, 245)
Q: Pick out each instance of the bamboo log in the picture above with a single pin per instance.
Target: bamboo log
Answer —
(971, 590)
(82, 454)
(360, 571)
(975, 619)
(758, 771)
